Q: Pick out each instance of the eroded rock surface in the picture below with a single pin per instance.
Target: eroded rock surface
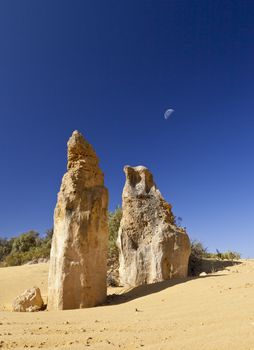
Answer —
(152, 248)
(30, 300)
(78, 266)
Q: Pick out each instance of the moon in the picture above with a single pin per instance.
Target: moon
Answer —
(168, 113)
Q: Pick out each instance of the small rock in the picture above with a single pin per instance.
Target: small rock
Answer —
(31, 262)
(30, 300)
(203, 274)
(137, 310)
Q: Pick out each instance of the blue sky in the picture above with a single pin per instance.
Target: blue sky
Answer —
(110, 69)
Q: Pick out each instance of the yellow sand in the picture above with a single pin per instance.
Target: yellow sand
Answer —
(214, 312)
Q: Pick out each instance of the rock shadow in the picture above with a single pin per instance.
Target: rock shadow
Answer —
(196, 265)
(147, 289)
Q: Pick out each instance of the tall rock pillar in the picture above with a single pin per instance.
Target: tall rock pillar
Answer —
(78, 258)
(152, 248)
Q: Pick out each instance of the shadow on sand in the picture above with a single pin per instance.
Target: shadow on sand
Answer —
(206, 265)
(147, 289)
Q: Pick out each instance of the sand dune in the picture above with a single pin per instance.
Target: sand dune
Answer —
(211, 312)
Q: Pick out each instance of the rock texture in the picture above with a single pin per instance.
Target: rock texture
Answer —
(30, 300)
(152, 248)
(78, 258)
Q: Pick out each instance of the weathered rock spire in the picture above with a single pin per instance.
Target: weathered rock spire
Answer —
(78, 259)
(152, 248)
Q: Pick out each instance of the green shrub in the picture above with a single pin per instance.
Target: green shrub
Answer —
(230, 255)
(26, 247)
(198, 250)
(19, 258)
(25, 241)
(48, 235)
(13, 259)
(114, 219)
(199, 257)
(5, 247)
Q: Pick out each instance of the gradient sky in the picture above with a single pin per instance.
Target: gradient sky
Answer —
(110, 69)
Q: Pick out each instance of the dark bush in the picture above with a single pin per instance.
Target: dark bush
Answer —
(5, 247)
(114, 219)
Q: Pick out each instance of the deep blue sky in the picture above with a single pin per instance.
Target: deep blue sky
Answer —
(110, 69)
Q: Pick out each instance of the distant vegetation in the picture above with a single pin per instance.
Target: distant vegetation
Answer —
(26, 247)
(198, 251)
(31, 246)
(202, 260)
(114, 219)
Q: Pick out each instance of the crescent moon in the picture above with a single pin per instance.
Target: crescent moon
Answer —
(168, 113)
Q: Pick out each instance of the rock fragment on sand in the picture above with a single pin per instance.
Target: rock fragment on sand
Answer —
(78, 258)
(152, 248)
(203, 274)
(30, 300)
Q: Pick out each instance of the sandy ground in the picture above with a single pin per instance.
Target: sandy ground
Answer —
(211, 312)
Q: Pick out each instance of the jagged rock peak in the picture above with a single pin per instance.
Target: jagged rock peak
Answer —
(140, 179)
(140, 184)
(82, 157)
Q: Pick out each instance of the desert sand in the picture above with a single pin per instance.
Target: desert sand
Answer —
(211, 312)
